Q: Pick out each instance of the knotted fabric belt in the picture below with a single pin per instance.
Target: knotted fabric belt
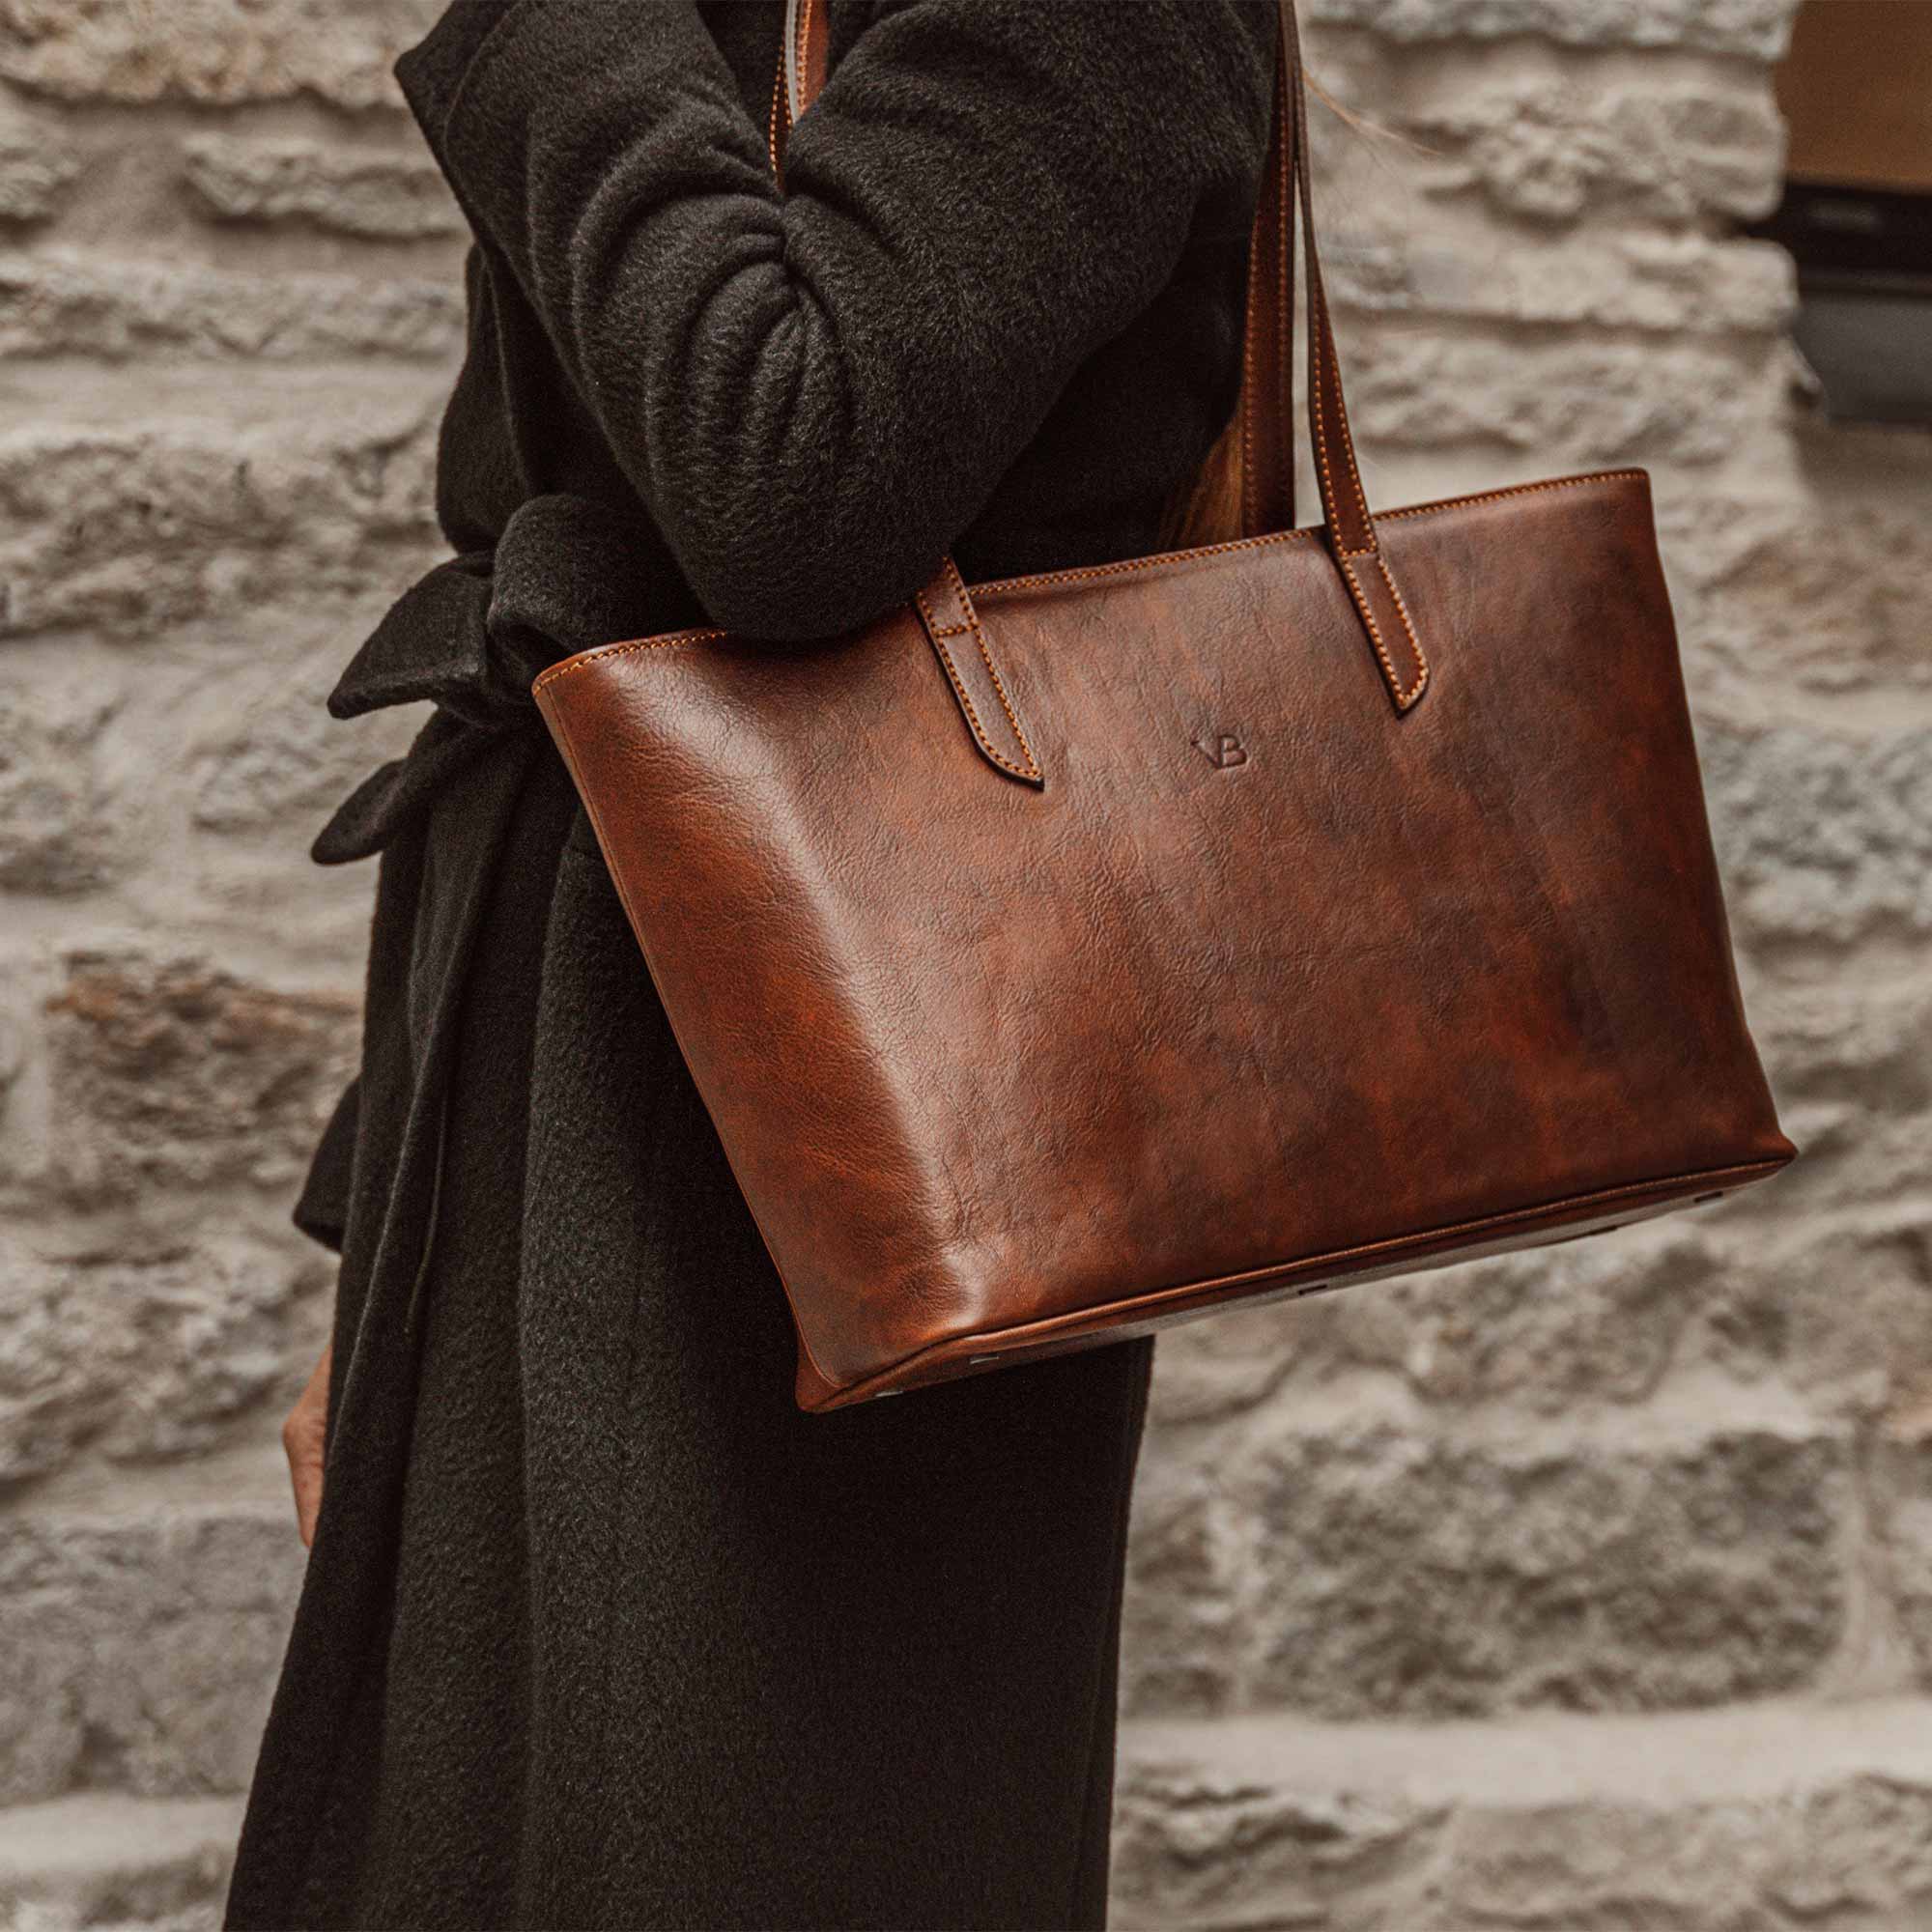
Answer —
(565, 574)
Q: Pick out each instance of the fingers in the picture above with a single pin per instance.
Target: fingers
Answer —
(303, 1440)
(305, 1472)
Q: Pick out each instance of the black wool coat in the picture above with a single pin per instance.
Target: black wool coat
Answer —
(597, 1630)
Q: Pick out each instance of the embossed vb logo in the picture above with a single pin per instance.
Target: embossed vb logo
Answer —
(1223, 750)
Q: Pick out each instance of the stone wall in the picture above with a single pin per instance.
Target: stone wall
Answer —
(1592, 1591)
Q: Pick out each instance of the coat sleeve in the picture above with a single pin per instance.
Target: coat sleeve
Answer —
(815, 391)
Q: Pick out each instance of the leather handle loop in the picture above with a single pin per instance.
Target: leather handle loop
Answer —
(958, 640)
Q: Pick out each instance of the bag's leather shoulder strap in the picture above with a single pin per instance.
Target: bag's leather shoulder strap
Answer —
(807, 38)
(1344, 509)
(1267, 402)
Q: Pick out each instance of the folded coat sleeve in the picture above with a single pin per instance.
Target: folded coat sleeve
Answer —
(815, 390)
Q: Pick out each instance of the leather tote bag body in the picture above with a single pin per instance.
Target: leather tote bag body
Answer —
(1065, 957)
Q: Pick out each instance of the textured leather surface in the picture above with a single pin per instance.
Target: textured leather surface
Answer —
(1164, 948)
(1262, 975)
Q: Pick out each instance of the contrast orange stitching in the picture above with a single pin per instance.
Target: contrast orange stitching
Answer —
(1316, 392)
(972, 717)
(1402, 610)
(932, 623)
(1341, 413)
(1320, 364)
(1402, 697)
(672, 641)
(992, 669)
(1518, 490)
(1283, 401)
(1074, 576)
(1001, 584)
(1249, 400)
(1012, 717)
(771, 121)
(966, 702)
(1041, 580)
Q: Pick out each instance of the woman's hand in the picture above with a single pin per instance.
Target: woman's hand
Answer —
(302, 1437)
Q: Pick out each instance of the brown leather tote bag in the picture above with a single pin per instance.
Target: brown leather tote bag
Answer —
(1069, 955)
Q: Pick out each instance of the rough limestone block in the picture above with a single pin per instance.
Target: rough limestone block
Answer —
(127, 531)
(1673, 149)
(1548, 1331)
(209, 51)
(1565, 401)
(1855, 1162)
(1766, 1818)
(1193, 1554)
(36, 172)
(113, 764)
(1902, 1485)
(103, 1861)
(1422, 1577)
(173, 1072)
(1859, 1044)
(1855, 1051)
(381, 195)
(1201, 1847)
(1842, 1314)
(1755, 29)
(1368, 1567)
(60, 827)
(1824, 596)
(1826, 836)
(1657, 282)
(1765, 1292)
(141, 1650)
(146, 1358)
(1843, 1855)
(267, 758)
(119, 307)
(1587, 1323)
